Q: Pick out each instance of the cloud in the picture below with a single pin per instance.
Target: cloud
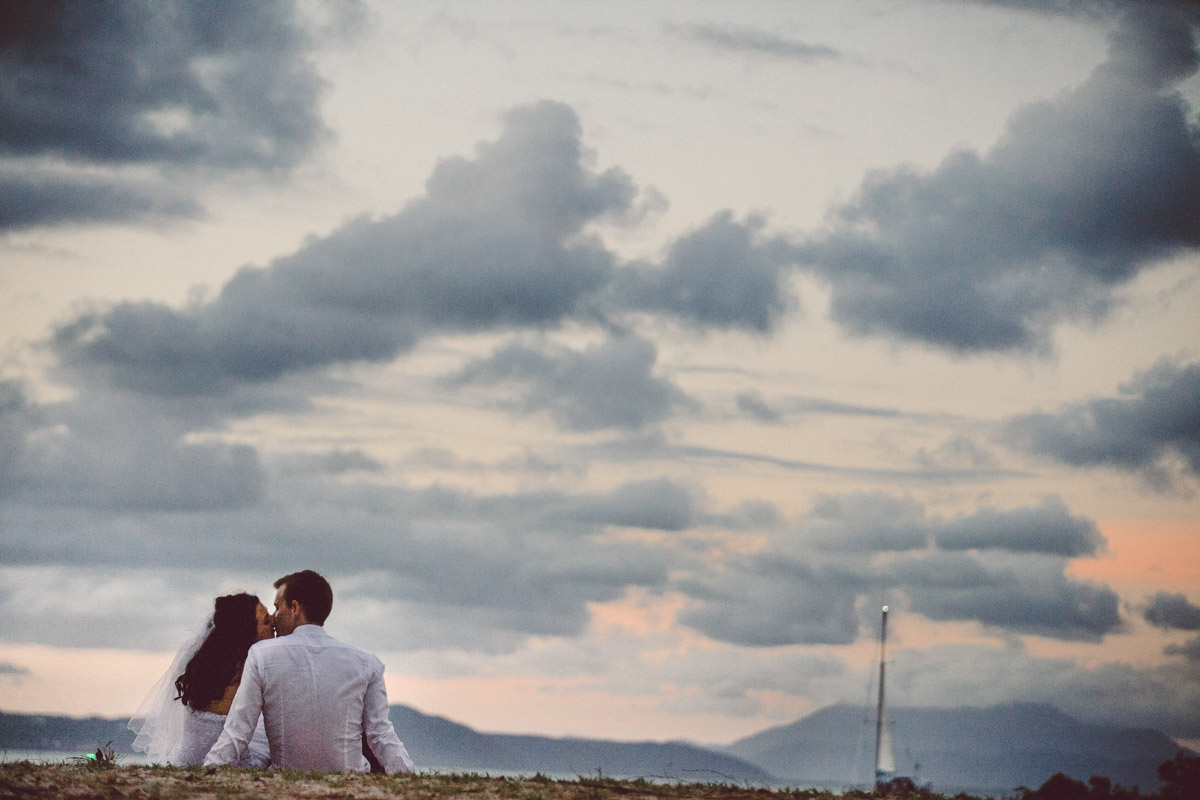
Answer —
(1152, 427)
(652, 445)
(1081, 194)
(770, 601)
(1002, 569)
(881, 523)
(1087, 9)
(39, 194)
(867, 522)
(724, 275)
(497, 242)
(1022, 594)
(752, 41)
(95, 97)
(1173, 612)
(116, 453)
(608, 385)
(520, 563)
(113, 605)
(1190, 650)
(752, 405)
(12, 670)
(1048, 529)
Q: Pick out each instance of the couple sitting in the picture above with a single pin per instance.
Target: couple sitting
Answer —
(254, 690)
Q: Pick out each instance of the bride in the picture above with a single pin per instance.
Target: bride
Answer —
(184, 713)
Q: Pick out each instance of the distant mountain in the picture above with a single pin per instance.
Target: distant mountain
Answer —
(68, 734)
(982, 749)
(997, 748)
(436, 743)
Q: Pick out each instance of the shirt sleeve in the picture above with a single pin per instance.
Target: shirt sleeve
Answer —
(377, 728)
(242, 719)
(258, 753)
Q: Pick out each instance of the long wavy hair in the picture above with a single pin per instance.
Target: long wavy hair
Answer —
(220, 658)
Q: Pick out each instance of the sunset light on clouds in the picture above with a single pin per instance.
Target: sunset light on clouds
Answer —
(614, 361)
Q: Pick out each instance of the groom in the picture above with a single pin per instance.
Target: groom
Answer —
(321, 700)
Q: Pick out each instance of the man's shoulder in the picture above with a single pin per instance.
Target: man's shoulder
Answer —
(353, 648)
(313, 636)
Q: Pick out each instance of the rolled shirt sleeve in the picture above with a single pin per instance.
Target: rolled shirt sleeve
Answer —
(377, 727)
(243, 717)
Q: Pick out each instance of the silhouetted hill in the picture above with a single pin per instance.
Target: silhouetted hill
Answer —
(69, 734)
(437, 743)
(995, 748)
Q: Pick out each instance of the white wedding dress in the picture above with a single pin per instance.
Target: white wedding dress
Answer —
(169, 732)
(200, 732)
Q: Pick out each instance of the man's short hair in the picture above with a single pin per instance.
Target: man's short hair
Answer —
(311, 591)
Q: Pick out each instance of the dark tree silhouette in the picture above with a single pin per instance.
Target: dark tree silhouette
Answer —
(1180, 777)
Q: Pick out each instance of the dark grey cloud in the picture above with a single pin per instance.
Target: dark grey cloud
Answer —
(1048, 529)
(608, 385)
(1153, 424)
(724, 275)
(497, 242)
(659, 504)
(771, 601)
(12, 669)
(867, 522)
(1088, 9)
(752, 41)
(880, 523)
(1190, 650)
(1173, 612)
(92, 92)
(522, 563)
(115, 453)
(37, 195)
(1003, 569)
(1021, 594)
(1082, 193)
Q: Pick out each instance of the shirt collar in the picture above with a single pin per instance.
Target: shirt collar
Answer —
(309, 630)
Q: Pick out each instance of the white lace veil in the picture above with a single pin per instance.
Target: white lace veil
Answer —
(158, 722)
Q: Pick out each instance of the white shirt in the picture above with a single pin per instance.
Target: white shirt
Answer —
(319, 697)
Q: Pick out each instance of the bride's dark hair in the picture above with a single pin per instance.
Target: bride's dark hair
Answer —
(221, 656)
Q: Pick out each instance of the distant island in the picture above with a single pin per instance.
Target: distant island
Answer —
(982, 750)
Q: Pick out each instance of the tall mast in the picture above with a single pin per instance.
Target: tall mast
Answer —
(883, 761)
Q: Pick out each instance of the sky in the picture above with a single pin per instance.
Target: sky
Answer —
(617, 361)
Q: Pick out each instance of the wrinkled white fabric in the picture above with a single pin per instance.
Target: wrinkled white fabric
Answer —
(201, 730)
(159, 720)
(319, 698)
(169, 732)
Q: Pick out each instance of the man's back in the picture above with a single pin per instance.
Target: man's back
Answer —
(319, 698)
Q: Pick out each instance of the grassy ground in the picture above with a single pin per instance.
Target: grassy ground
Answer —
(77, 781)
